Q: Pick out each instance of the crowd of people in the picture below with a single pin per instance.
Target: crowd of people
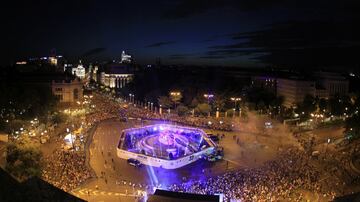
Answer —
(102, 109)
(65, 169)
(283, 179)
(106, 107)
(203, 122)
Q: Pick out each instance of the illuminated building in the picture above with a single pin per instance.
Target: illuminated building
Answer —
(125, 58)
(331, 84)
(67, 90)
(116, 76)
(79, 71)
(294, 90)
(53, 61)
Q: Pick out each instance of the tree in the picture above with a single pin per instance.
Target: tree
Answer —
(203, 108)
(194, 103)
(182, 110)
(230, 112)
(307, 107)
(165, 101)
(175, 97)
(23, 161)
(261, 106)
(322, 105)
(352, 127)
(58, 118)
(219, 102)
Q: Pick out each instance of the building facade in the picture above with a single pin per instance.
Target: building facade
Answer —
(333, 83)
(67, 91)
(116, 75)
(79, 71)
(294, 90)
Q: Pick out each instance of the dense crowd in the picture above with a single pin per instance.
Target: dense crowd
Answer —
(106, 107)
(279, 180)
(103, 109)
(65, 169)
(204, 122)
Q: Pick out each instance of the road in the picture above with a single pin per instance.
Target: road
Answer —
(116, 179)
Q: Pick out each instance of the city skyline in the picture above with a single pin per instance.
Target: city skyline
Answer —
(227, 33)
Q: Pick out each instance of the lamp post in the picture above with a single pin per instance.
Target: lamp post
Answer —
(208, 97)
(176, 96)
(235, 99)
(132, 98)
(160, 109)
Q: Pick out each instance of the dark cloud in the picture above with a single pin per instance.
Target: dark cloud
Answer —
(329, 8)
(187, 8)
(93, 52)
(229, 53)
(302, 43)
(180, 56)
(158, 44)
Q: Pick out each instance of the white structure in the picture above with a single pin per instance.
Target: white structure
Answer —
(125, 58)
(115, 80)
(294, 90)
(79, 71)
(332, 84)
(67, 91)
(116, 75)
(166, 163)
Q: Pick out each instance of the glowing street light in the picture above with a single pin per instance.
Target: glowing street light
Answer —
(175, 93)
(175, 97)
(235, 99)
(208, 96)
(132, 97)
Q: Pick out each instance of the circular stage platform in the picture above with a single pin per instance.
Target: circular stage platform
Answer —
(164, 144)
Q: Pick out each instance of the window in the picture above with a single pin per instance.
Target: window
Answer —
(59, 97)
(76, 94)
(58, 89)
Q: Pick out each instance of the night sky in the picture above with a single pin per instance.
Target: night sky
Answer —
(201, 32)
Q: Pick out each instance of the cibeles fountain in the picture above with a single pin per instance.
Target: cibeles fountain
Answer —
(164, 145)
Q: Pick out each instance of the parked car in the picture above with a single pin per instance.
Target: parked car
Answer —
(134, 162)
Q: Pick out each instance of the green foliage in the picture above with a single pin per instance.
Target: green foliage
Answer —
(194, 103)
(352, 127)
(25, 101)
(182, 110)
(23, 161)
(14, 125)
(58, 118)
(219, 102)
(230, 112)
(165, 101)
(203, 109)
(308, 106)
(176, 98)
(337, 104)
(261, 97)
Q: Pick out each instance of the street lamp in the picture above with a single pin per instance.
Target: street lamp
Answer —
(176, 96)
(208, 97)
(235, 99)
(132, 96)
